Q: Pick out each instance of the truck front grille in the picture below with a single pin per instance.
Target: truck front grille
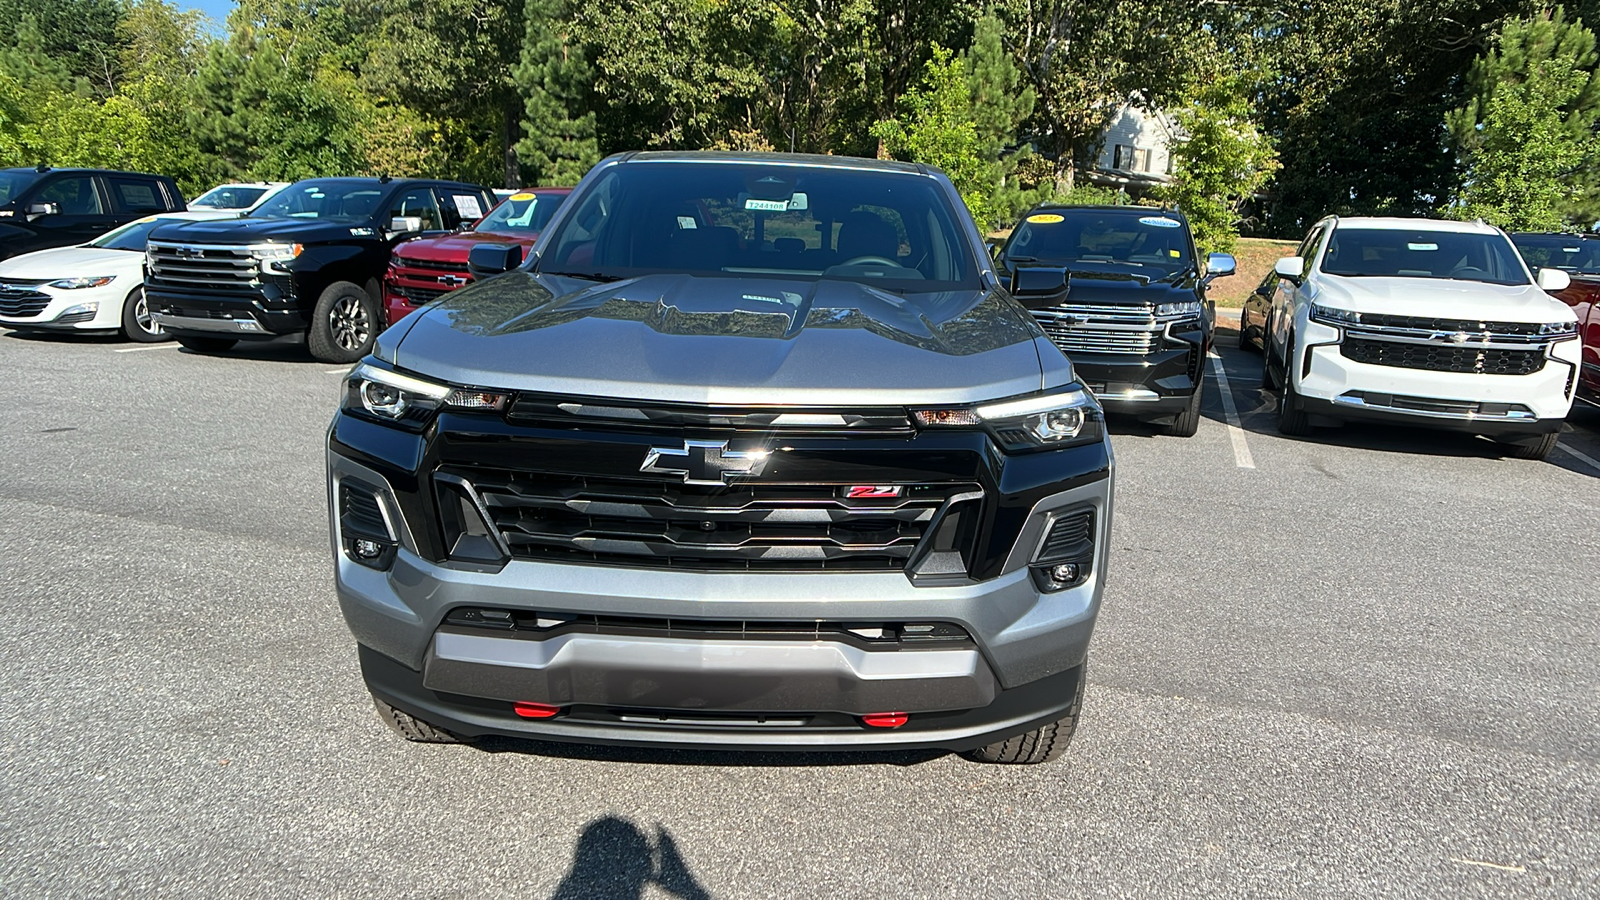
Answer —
(1441, 357)
(202, 264)
(1092, 328)
(419, 296)
(654, 523)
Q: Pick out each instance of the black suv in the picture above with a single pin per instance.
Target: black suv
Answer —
(753, 451)
(1131, 312)
(42, 208)
(309, 261)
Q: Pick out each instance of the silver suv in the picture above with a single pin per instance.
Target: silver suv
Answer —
(753, 451)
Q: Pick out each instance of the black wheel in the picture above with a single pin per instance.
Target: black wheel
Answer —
(344, 324)
(1244, 340)
(1186, 423)
(1535, 449)
(206, 344)
(1269, 378)
(412, 728)
(1292, 420)
(1039, 745)
(137, 324)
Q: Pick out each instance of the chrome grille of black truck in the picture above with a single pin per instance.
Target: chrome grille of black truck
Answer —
(205, 265)
(1091, 328)
(663, 524)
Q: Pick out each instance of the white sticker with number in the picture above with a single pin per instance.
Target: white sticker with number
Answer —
(467, 205)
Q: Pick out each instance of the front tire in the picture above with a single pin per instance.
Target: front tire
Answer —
(344, 324)
(1536, 450)
(137, 323)
(412, 728)
(1186, 423)
(1039, 745)
(206, 344)
(1292, 420)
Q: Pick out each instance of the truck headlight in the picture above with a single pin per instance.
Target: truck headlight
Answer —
(1559, 329)
(74, 284)
(1178, 311)
(407, 399)
(1338, 318)
(1062, 418)
(276, 257)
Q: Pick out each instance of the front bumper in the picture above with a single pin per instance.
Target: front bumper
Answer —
(1334, 388)
(1160, 384)
(84, 310)
(1017, 671)
(258, 314)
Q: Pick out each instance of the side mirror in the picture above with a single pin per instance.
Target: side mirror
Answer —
(1290, 267)
(35, 210)
(994, 245)
(1220, 265)
(1038, 283)
(1553, 280)
(489, 260)
(405, 225)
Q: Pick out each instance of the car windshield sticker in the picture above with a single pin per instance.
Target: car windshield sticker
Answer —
(523, 195)
(1173, 253)
(467, 206)
(1045, 219)
(1417, 246)
(686, 223)
(767, 205)
(1160, 222)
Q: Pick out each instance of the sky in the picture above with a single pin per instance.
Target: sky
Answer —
(216, 9)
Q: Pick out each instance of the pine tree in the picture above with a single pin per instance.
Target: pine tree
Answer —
(559, 143)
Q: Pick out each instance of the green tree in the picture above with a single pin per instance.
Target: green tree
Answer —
(559, 142)
(1000, 103)
(935, 127)
(1220, 161)
(1526, 134)
(81, 36)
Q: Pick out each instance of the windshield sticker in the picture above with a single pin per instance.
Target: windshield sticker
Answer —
(767, 205)
(686, 223)
(1417, 246)
(1174, 253)
(467, 206)
(1160, 222)
(1046, 219)
(1570, 249)
(523, 195)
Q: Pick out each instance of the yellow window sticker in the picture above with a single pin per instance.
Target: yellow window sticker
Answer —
(1173, 253)
(525, 195)
(1045, 219)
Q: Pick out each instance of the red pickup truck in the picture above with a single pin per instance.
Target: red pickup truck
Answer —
(1579, 256)
(421, 270)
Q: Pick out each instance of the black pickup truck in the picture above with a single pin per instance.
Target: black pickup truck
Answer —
(1133, 315)
(309, 261)
(42, 208)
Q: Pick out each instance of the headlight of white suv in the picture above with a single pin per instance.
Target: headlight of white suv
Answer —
(1062, 418)
(1329, 315)
(1559, 330)
(74, 284)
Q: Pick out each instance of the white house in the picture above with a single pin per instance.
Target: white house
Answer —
(1135, 151)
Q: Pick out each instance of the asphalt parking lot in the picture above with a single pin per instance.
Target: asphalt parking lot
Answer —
(1361, 665)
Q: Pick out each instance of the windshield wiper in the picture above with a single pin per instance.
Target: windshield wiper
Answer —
(586, 276)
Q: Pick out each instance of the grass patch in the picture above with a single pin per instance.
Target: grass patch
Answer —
(1256, 258)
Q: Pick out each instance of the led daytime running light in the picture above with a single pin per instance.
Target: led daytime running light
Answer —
(428, 389)
(1031, 405)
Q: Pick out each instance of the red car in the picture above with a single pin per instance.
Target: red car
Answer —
(421, 270)
(1579, 256)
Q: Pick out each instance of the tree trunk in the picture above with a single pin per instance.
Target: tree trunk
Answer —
(513, 127)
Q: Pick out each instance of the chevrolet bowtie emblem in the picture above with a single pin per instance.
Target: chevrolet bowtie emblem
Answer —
(704, 462)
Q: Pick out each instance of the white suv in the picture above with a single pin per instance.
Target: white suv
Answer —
(1424, 322)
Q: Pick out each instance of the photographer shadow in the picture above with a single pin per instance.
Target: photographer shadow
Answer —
(614, 860)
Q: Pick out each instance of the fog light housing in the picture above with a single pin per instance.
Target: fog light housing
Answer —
(366, 549)
(1065, 573)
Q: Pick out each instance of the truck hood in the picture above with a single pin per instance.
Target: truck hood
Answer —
(1116, 288)
(1442, 298)
(455, 247)
(70, 262)
(252, 231)
(678, 338)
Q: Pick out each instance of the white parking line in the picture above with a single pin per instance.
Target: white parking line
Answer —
(167, 346)
(1241, 450)
(343, 371)
(1593, 463)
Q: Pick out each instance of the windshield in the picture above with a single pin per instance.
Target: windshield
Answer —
(228, 197)
(1132, 238)
(1404, 253)
(525, 212)
(1571, 252)
(14, 182)
(892, 230)
(335, 199)
(131, 236)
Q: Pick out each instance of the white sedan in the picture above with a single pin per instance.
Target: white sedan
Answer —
(236, 198)
(95, 287)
